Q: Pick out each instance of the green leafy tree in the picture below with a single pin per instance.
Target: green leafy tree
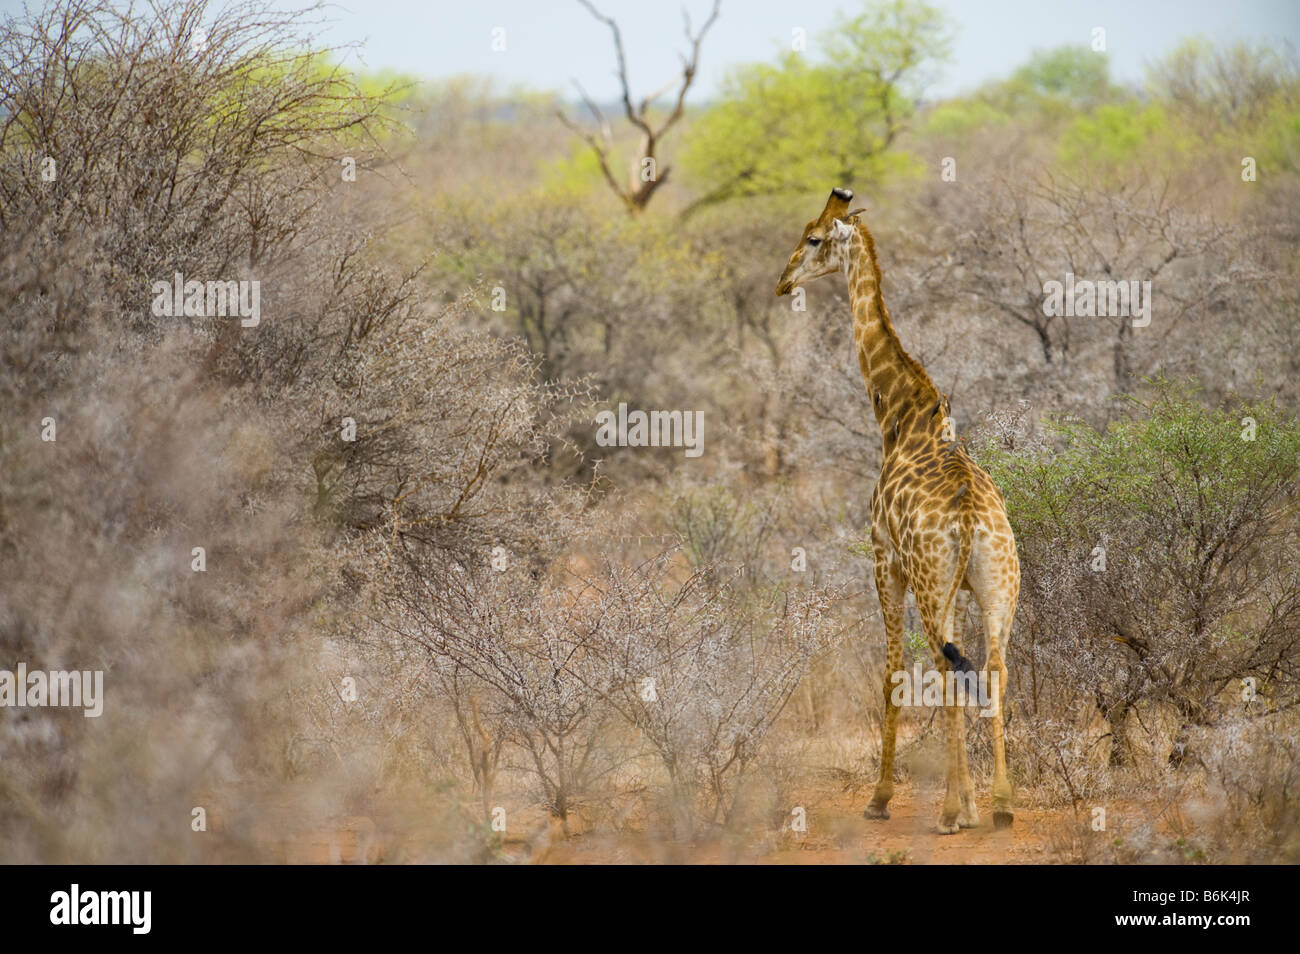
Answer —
(1075, 75)
(1233, 83)
(797, 124)
(1114, 136)
(1158, 557)
(1054, 84)
(1232, 92)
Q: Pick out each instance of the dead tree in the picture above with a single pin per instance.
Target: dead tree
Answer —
(644, 175)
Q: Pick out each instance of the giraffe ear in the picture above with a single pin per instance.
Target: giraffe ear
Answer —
(840, 230)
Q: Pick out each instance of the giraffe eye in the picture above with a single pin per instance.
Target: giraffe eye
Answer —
(814, 242)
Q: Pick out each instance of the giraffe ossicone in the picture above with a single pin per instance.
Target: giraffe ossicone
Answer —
(938, 523)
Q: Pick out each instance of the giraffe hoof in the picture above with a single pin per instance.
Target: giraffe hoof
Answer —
(878, 812)
(1002, 819)
(971, 820)
(950, 828)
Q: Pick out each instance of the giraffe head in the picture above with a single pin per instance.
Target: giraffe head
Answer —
(821, 249)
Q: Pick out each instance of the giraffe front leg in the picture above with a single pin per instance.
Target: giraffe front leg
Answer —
(890, 588)
(878, 807)
(939, 631)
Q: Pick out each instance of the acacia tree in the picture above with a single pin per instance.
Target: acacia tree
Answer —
(174, 140)
(1156, 559)
(645, 175)
(705, 685)
(131, 148)
(1236, 83)
(1006, 237)
(798, 124)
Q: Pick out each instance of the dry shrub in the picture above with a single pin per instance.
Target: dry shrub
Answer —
(580, 675)
(1250, 812)
(222, 686)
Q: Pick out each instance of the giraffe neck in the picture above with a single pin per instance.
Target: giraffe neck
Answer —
(905, 401)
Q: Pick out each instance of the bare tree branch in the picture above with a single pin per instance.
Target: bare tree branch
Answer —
(641, 186)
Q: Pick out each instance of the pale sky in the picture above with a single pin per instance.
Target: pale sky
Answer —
(551, 42)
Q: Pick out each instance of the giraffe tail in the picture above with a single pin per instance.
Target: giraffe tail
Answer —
(959, 662)
(965, 529)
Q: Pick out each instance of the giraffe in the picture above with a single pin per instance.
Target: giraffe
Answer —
(938, 523)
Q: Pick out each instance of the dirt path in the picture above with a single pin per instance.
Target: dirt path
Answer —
(909, 836)
(836, 834)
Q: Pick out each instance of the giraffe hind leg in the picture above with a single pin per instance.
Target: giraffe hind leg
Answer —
(969, 816)
(997, 625)
(936, 616)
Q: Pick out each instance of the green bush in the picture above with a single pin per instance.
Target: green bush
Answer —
(1158, 556)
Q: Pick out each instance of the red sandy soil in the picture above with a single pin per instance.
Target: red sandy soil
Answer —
(837, 834)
